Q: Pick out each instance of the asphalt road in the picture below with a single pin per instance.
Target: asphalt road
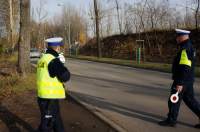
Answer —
(135, 99)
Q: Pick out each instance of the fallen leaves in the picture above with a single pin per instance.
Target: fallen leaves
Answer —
(8, 76)
(78, 123)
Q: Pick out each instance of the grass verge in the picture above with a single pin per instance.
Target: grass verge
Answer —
(12, 83)
(157, 67)
(26, 85)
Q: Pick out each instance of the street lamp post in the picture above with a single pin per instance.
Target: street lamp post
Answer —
(69, 28)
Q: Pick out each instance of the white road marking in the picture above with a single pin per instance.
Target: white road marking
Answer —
(109, 75)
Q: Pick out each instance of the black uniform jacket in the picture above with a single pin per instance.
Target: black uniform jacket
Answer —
(184, 64)
(56, 68)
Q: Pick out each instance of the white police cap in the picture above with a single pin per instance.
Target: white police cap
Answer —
(54, 41)
(181, 32)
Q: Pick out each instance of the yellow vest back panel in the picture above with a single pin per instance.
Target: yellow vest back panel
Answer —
(49, 88)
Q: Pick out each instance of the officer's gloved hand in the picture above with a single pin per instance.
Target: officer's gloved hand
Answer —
(62, 58)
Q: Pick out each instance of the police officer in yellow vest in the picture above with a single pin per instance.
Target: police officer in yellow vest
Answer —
(50, 75)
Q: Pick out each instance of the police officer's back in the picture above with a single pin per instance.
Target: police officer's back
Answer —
(50, 75)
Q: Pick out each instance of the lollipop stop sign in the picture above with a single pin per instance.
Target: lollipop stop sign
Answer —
(174, 98)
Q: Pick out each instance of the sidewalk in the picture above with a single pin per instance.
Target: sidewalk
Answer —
(20, 113)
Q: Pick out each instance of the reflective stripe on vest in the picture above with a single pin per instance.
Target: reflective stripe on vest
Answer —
(48, 87)
(184, 59)
(49, 84)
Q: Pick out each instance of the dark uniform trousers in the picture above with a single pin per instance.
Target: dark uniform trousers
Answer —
(54, 112)
(187, 95)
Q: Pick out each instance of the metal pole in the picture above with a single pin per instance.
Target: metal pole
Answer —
(143, 52)
(136, 50)
(139, 54)
(74, 49)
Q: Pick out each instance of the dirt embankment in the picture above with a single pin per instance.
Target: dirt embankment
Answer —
(161, 47)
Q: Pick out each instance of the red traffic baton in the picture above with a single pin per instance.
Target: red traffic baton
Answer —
(174, 98)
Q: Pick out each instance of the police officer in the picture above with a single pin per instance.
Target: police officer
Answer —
(50, 75)
(183, 76)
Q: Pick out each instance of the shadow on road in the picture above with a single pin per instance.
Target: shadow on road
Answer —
(132, 88)
(127, 111)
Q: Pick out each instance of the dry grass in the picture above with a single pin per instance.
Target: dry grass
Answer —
(11, 82)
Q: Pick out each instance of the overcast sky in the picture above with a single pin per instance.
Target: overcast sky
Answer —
(53, 8)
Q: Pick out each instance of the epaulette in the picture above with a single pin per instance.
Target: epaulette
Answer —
(187, 46)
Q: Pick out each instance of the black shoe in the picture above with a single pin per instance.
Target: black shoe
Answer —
(165, 123)
(197, 126)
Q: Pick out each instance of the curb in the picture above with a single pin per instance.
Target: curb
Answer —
(152, 69)
(34, 65)
(93, 110)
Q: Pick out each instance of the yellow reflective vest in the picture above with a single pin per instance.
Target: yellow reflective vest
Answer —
(184, 59)
(49, 88)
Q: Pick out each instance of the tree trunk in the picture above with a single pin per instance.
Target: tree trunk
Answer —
(147, 38)
(24, 39)
(120, 27)
(97, 29)
(11, 26)
(157, 43)
(197, 26)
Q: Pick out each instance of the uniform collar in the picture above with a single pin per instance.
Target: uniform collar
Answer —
(52, 52)
(184, 42)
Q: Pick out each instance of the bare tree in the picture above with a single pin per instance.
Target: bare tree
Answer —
(128, 19)
(11, 24)
(197, 11)
(142, 22)
(119, 22)
(5, 16)
(9, 10)
(155, 16)
(24, 41)
(97, 28)
(91, 15)
(33, 26)
(39, 11)
(109, 24)
(118, 14)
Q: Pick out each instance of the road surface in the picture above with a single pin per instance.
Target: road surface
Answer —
(135, 99)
